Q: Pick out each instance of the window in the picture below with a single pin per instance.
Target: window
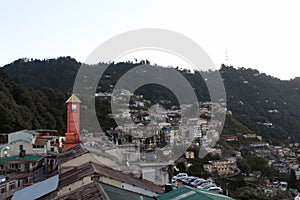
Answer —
(74, 107)
(26, 166)
(95, 178)
(3, 189)
(12, 186)
(38, 146)
(14, 166)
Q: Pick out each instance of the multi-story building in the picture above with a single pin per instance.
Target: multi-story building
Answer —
(221, 167)
(17, 172)
(34, 142)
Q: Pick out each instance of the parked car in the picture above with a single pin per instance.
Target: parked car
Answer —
(283, 185)
(188, 179)
(189, 183)
(180, 176)
(198, 182)
(206, 186)
(183, 180)
(215, 189)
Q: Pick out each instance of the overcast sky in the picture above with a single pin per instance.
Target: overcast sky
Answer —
(264, 35)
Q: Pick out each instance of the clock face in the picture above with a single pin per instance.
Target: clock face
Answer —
(74, 107)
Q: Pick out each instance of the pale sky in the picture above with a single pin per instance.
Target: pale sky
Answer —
(264, 35)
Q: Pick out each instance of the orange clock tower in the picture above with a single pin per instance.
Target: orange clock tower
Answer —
(73, 122)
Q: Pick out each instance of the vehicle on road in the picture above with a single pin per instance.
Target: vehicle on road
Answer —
(206, 186)
(188, 180)
(198, 182)
(180, 176)
(215, 189)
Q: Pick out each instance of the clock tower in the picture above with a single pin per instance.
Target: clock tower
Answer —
(73, 122)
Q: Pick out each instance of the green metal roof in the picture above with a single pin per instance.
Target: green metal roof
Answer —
(46, 130)
(189, 193)
(115, 193)
(17, 158)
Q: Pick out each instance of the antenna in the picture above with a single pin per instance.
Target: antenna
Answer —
(226, 58)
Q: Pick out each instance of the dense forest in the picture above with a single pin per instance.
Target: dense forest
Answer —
(33, 92)
(23, 108)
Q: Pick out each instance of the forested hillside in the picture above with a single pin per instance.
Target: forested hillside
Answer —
(266, 105)
(49, 73)
(23, 108)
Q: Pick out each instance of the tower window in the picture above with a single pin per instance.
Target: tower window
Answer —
(74, 107)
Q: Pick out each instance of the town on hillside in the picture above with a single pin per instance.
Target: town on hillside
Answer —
(158, 154)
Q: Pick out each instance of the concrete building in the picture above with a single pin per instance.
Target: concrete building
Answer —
(33, 142)
(221, 167)
(20, 171)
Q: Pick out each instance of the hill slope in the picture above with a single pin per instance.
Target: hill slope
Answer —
(57, 73)
(22, 108)
(266, 105)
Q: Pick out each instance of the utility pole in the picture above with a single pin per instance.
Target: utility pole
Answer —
(226, 188)
(5, 157)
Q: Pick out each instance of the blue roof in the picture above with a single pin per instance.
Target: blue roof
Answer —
(37, 190)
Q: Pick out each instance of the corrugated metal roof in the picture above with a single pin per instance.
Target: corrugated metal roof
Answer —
(18, 158)
(76, 173)
(71, 153)
(127, 178)
(46, 130)
(37, 190)
(89, 157)
(90, 191)
(115, 193)
(189, 193)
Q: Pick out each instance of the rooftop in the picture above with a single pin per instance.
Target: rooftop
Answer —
(88, 192)
(88, 169)
(46, 130)
(71, 153)
(73, 99)
(189, 193)
(18, 158)
(37, 190)
(115, 193)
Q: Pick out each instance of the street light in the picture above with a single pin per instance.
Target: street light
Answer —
(5, 155)
(5, 151)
